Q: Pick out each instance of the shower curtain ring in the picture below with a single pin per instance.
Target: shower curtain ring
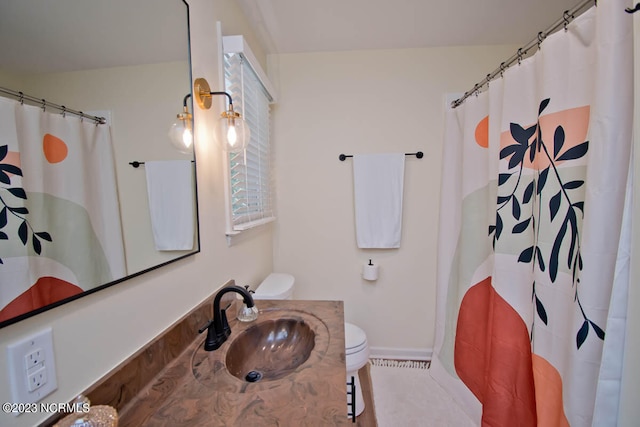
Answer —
(502, 68)
(44, 105)
(541, 37)
(567, 18)
(21, 98)
(64, 111)
(519, 56)
(81, 117)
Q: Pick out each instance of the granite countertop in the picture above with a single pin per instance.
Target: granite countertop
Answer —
(195, 389)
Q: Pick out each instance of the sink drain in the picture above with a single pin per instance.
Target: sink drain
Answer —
(253, 376)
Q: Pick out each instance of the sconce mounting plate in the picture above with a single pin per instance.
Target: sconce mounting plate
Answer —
(202, 93)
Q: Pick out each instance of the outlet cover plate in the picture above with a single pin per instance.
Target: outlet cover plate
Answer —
(39, 345)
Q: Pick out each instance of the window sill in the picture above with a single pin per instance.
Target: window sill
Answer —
(251, 224)
(239, 229)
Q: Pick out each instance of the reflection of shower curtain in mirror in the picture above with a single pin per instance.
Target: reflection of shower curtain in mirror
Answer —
(60, 231)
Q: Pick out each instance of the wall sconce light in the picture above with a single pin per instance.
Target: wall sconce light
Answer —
(180, 133)
(233, 126)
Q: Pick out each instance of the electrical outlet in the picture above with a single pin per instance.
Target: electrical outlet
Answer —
(32, 367)
(34, 359)
(37, 379)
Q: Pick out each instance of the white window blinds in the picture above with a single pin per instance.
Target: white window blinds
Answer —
(250, 171)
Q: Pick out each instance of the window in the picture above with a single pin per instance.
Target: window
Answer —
(250, 182)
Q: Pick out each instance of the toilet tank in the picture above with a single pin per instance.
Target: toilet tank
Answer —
(275, 286)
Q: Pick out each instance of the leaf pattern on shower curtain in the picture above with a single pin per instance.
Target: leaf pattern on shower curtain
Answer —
(531, 150)
(11, 206)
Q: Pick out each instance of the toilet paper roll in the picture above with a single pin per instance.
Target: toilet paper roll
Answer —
(370, 272)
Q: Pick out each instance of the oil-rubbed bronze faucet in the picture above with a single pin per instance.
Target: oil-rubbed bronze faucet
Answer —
(218, 328)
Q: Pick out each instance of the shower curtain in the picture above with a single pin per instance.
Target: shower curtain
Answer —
(60, 231)
(534, 233)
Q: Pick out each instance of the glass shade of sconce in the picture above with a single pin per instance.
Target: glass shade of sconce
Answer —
(234, 128)
(180, 133)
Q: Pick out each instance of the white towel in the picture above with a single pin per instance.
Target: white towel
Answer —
(378, 184)
(170, 190)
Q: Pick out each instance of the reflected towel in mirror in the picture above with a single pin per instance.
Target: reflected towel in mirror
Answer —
(171, 203)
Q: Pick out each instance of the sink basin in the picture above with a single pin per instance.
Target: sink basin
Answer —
(277, 350)
(270, 350)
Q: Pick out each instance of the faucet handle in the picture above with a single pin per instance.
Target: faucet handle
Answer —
(205, 327)
(248, 288)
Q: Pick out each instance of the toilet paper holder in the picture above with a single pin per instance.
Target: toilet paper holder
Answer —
(370, 271)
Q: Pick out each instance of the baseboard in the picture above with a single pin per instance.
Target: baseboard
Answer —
(400, 353)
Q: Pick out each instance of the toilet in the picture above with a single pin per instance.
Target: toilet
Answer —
(275, 286)
(357, 356)
(280, 286)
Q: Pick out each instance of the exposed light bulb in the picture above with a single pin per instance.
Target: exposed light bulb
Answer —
(180, 134)
(187, 138)
(232, 135)
(235, 130)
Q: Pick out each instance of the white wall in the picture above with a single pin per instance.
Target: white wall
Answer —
(366, 102)
(96, 333)
(9, 80)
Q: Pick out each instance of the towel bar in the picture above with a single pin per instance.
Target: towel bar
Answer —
(418, 154)
(136, 164)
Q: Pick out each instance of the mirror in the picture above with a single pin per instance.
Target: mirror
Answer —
(127, 61)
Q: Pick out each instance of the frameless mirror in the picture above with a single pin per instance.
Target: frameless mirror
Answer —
(75, 214)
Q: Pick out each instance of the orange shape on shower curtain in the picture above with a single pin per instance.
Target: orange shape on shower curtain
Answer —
(12, 158)
(549, 406)
(55, 150)
(482, 133)
(45, 291)
(493, 357)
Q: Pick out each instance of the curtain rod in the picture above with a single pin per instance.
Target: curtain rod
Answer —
(567, 17)
(44, 103)
(418, 154)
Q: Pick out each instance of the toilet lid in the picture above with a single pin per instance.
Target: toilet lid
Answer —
(354, 337)
(275, 286)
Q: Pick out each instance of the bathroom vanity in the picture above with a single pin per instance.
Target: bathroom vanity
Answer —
(195, 387)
